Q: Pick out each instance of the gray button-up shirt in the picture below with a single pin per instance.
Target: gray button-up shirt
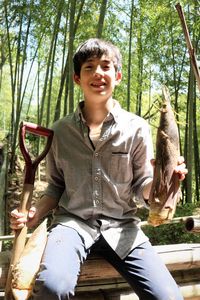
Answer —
(96, 186)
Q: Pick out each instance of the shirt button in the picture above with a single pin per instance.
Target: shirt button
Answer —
(97, 201)
(96, 178)
(96, 154)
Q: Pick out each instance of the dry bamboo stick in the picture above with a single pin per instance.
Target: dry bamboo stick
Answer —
(143, 223)
(173, 221)
(189, 44)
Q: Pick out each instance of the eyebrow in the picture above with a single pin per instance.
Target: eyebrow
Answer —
(92, 59)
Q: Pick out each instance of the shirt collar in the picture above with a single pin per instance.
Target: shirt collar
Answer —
(116, 110)
(114, 113)
(78, 112)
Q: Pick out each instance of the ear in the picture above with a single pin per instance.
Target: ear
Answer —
(118, 77)
(76, 79)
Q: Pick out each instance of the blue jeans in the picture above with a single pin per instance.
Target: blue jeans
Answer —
(65, 252)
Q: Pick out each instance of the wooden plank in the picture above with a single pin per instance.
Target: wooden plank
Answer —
(183, 260)
(126, 294)
(176, 257)
(97, 271)
(189, 291)
(181, 277)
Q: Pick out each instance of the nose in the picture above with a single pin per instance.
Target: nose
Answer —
(98, 72)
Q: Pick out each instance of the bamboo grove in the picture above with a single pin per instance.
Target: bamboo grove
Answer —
(37, 42)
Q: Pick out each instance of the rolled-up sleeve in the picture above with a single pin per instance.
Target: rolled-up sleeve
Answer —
(54, 174)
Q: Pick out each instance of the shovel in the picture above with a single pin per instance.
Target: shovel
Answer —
(26, 196)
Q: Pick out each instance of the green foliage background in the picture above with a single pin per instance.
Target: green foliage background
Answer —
(35, 43)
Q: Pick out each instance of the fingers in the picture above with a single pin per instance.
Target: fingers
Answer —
(181, 160)
(19, 219)
(181, 169)
(31, 212)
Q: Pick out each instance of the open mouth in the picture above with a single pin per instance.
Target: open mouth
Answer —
(98, 84)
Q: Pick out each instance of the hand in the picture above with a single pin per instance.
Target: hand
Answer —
(181, 169)
(19, 219)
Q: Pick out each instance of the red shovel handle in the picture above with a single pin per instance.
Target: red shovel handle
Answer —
(31, 166)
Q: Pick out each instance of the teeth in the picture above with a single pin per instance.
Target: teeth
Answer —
(98, 84)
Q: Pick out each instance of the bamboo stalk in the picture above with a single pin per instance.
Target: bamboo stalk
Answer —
(193, 224)
(173, 221)
(11, 237)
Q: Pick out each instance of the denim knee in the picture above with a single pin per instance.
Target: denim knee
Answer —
(165, 293)
(52, 286)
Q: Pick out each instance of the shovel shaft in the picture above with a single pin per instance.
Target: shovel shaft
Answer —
(20, 235)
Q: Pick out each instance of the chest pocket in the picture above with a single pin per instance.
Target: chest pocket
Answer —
(120, 168)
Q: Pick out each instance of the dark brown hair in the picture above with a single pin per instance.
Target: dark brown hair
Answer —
(95, 47)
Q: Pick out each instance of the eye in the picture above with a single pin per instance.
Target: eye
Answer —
(88, 67)
(106, 67)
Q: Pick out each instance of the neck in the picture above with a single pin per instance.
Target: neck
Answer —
(95, 114)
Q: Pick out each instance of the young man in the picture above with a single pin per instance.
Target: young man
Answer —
(99, 160)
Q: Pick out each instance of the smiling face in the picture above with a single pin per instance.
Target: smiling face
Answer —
(98, 78)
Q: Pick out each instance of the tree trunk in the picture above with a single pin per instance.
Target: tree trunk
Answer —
(140, 72)
(140, 58)
(65, 73)
(2, 56)
(101, 18)
(18, 78)
(70, 52)
(196, 152)
(189, 137)
(42, 103)
(11, 71)
(129, 58)
(55, 33)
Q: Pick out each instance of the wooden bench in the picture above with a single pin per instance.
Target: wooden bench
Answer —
(100, 281)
